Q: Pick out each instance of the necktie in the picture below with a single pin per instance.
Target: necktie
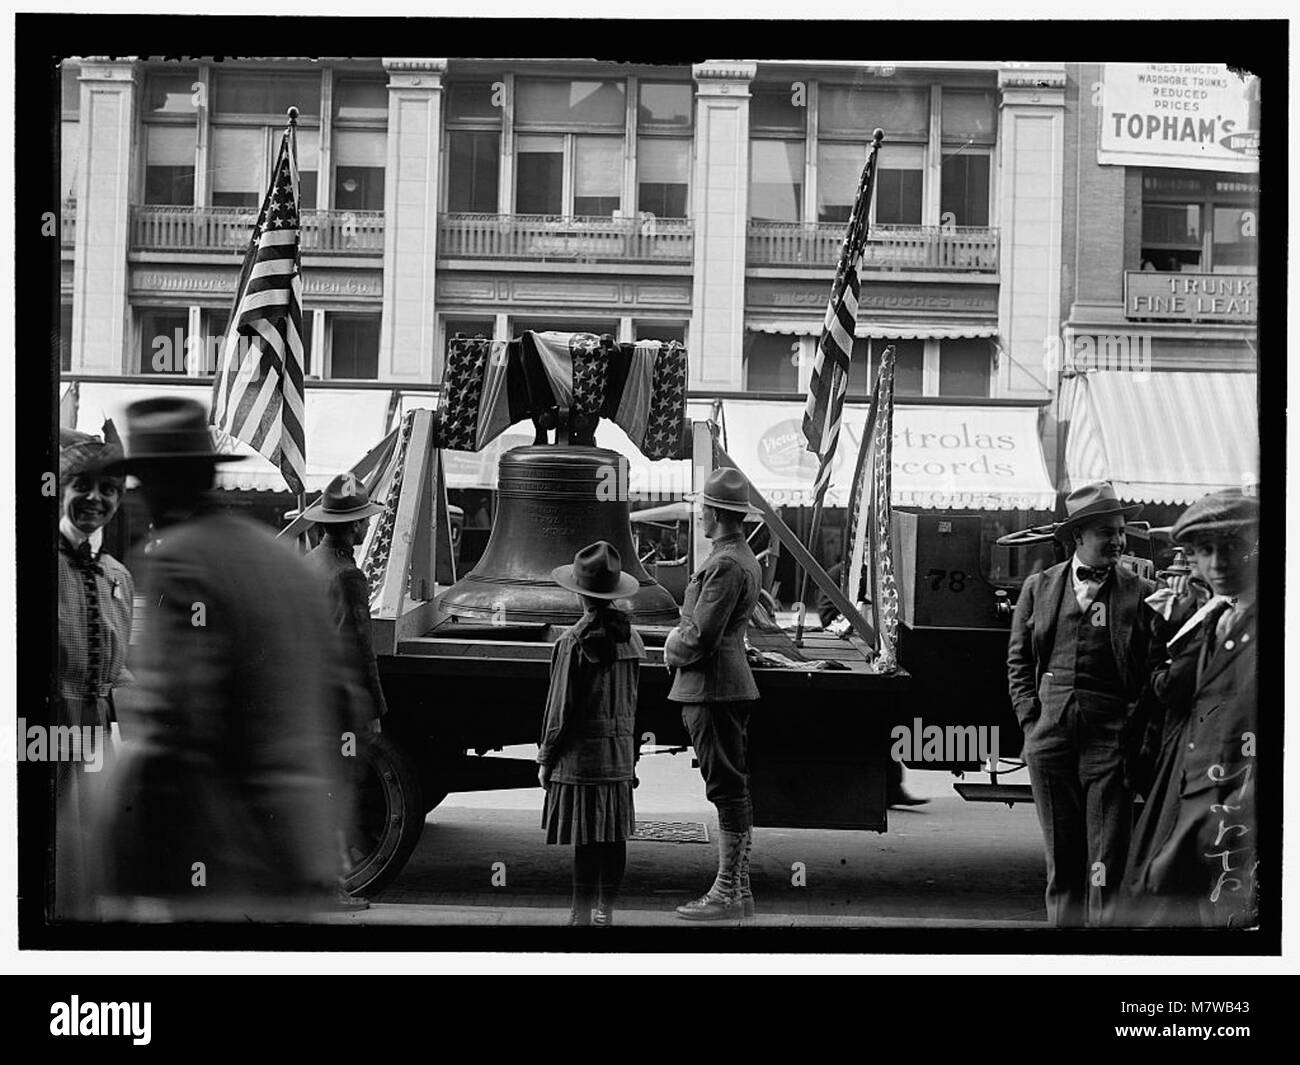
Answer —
(1211, 625)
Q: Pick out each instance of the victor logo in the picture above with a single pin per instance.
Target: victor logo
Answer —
(102, 1018)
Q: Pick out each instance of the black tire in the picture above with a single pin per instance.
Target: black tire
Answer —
(390, 814)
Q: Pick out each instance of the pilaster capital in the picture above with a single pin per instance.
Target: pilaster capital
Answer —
(723, 77)
(409, 73)
(122, 69)
(1041, 84)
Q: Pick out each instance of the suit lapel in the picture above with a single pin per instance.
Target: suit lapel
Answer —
(1121, 617)
(1047, 609)
(1224, 656)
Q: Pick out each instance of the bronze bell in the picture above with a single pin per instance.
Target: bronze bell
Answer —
(553, 501)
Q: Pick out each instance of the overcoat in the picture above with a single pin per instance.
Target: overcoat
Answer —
(589, 727)
(1192, 856)
(221, 804)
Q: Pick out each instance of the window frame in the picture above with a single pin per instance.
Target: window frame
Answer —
(1205, 199)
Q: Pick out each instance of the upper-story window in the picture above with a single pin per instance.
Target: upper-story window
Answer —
(777, 122)
(474, 122)
(569, 146)
(846, 118)
(663, 148)
(968, 131)
(1199, 222)
(360, 144)
(70, 131)
(249, 114)
(810, 140)
(170, 105)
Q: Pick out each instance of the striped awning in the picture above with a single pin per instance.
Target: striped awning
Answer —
(1161, 437)
(891, 329)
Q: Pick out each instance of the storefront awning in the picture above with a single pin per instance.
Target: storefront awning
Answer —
(1162, 437)
(944, 458)
(893, 329)
(342, 425)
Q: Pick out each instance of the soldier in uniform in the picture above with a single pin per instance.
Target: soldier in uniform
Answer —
(1077, 667)
(716, 688)
(345, 510)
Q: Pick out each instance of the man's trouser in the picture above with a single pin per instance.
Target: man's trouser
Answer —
(1076, 767)
(720, 735)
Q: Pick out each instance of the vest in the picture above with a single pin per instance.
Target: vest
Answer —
(1082, 656)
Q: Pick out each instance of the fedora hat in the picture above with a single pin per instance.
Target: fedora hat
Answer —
(1217, 514)
(1089, 502)
(597, 572)
(169, 428)
(726, 489)
(345, 499)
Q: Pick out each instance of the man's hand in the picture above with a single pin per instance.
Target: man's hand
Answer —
(544, 775)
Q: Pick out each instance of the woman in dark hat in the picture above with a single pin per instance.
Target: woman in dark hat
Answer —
(588, 748)
(95, 606)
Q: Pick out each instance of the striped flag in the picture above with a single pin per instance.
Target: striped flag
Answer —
(257, 395)
(830, 374)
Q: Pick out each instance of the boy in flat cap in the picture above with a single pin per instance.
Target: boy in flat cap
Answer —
(1076, 666)
(1192, 860)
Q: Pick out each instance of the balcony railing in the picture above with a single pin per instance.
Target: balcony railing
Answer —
(549, 238)
(972, 249)
(166, 228)
(68, 224)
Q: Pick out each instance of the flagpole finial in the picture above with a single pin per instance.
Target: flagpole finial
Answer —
(877, 137)
(293, 116)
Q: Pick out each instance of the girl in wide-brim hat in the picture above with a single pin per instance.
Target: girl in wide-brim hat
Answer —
(588, 746)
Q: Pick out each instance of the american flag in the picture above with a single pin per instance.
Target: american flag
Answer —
(257, 395)
(830, 374)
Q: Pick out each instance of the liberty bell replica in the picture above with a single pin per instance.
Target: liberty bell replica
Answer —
(553, 500)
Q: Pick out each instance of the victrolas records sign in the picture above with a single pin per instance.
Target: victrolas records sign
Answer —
(1192, 116)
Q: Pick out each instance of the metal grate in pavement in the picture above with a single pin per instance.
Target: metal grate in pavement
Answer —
(671, 832)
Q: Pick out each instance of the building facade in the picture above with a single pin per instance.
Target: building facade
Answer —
(1158, 359)
(704, 204)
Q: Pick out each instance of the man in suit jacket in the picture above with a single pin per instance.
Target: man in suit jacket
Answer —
(1076, 667)
(221, 808)
(716, 687)
(1192, 861)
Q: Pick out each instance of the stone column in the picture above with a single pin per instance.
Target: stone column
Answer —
(721, 208)
(408, 332)
(1031, 158)
(100, 325)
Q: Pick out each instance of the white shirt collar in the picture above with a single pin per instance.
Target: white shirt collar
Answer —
(71, 533)
(76, 537)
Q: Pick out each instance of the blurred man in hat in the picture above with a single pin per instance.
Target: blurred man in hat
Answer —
(220, 810)
(1076, 666)
(345, 510)
(716, 688)
(95, 603)
(1192, 861)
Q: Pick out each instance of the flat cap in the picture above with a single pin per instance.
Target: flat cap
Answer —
(1219, 513)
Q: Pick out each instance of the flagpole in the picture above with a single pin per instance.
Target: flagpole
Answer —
(292, 113)
(851, 240)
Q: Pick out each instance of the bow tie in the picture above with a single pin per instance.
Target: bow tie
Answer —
(1092, 573)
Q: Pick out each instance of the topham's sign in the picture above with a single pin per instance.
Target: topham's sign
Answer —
(1190, 116)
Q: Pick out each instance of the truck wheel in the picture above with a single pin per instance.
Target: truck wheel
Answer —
(389, 818)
